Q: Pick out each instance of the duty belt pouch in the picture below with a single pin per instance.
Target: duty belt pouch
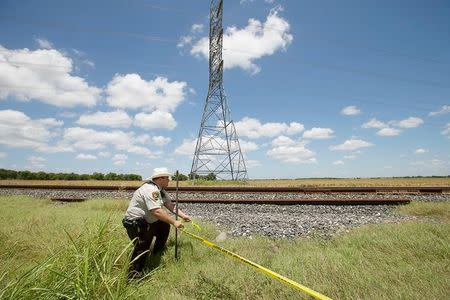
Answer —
(137, 224)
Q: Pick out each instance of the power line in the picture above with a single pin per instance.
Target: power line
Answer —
(339, 43)
(385, 52)
(390, 103)
(15, 62)
(362, 72)
(59, 25)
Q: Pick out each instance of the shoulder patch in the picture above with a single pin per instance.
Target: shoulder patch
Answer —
(155, 195)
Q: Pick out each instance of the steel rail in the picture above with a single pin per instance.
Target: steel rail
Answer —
(376, 201)
(333, 189)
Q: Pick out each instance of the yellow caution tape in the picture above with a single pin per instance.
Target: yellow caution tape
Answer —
(196, 226)
(260, 268)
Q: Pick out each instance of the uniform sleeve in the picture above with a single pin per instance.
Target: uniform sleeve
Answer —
(152, 198)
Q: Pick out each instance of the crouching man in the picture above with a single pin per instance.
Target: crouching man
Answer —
(146, 219)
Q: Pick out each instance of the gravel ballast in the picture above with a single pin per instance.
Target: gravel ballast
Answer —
(277, 221)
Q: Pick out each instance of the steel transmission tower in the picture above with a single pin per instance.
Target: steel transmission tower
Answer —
(218, 150)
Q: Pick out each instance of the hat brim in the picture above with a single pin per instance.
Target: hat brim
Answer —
(161, 175)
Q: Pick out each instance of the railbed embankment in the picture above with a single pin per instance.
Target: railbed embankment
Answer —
(268, 219)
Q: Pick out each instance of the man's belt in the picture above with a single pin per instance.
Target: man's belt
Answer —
(139, 222)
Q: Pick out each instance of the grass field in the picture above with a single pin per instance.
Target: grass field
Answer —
(346, 182)
(79, 251)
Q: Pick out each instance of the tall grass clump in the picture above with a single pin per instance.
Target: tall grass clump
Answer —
(93, 265)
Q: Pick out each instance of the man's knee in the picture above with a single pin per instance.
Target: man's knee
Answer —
(142, 243)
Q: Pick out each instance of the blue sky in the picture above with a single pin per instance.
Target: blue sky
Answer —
(316, 88)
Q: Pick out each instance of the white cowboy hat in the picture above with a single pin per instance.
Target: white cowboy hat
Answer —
(159, 172)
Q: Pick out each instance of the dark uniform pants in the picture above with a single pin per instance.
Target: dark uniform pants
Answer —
(143, 233)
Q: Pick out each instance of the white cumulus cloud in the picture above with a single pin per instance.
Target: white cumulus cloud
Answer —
(132, 92)
(83, 156)
(318, 133)
(90, 139)
(389, 131)
(338, 162)
(350, 111)
(187, 147)
(393, 128)
(247, 146)
(351, 145)
(3, 154)
(282, 141)
(114, 119)
(37, 161)
(446, 130)
(120, 159)
(43, 75)
(197, 27)
(243, 46)
(254, 129)
(104, 154)
(17, 130)
(421, 151)
(411, 122)
(44, 43)
(374, 123)
(348, 157)
(156, 119)
(295, 153)
(161, 140)
(252, 163)
(445, 109)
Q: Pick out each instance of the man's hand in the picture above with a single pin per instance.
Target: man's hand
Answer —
(186, 218)
(178, 224)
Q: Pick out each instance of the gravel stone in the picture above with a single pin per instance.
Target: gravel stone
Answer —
(276, 221)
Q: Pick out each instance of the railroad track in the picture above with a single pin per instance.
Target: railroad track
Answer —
(280, 195)
(306, 190)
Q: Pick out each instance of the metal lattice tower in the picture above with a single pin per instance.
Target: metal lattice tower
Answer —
(218, 150)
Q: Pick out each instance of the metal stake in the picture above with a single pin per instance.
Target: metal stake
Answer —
(176, 218)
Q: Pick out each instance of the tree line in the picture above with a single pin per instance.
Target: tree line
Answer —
(191, 176)
(28, 175)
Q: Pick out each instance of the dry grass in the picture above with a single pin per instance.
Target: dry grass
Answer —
(345, 182)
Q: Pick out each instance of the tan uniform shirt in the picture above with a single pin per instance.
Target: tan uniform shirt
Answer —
(145, 199)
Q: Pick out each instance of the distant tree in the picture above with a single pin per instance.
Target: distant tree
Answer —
(181, 177)
(72, 176)
(111, 176)
(84, 177)
(98, 176)
(26, 175)
(42, 176)
(132, 177)
(211, 176)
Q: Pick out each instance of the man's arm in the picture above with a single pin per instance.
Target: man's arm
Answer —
(170, 206)
(161, 215)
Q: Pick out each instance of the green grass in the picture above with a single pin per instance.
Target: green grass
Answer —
(80, 251)
(438, 210)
